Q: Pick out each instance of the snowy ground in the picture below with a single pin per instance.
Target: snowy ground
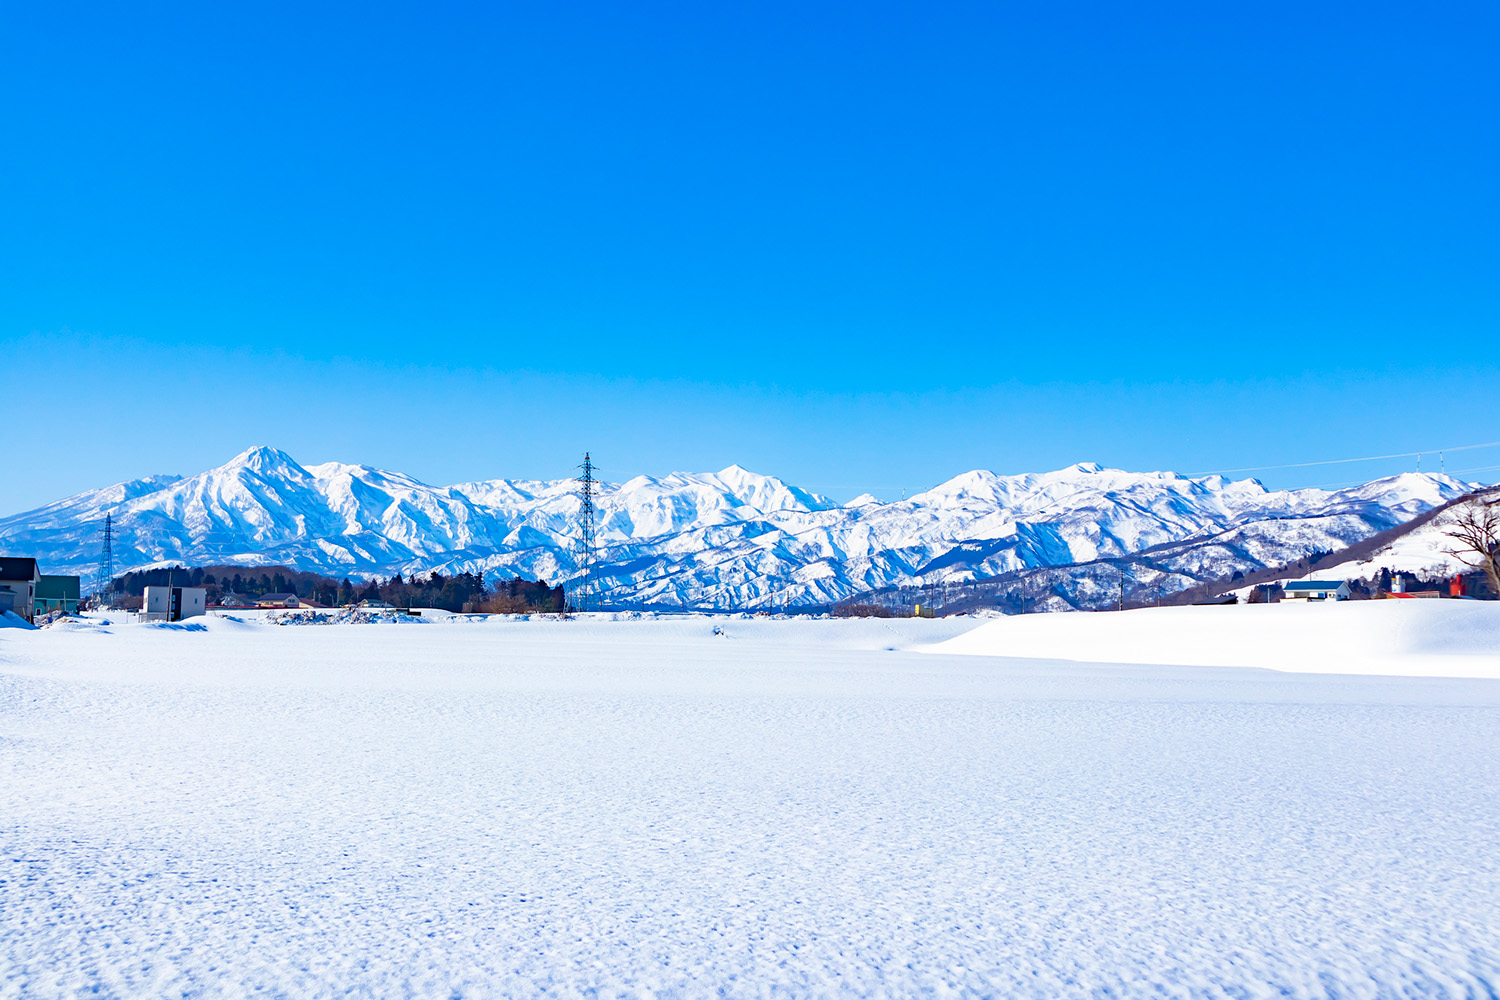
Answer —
(797, 808)
(1434, 638)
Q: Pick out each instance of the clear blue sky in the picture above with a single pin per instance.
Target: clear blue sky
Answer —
(861, 246)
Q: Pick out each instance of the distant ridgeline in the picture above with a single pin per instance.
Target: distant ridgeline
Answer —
(460, 592)
(1076, 538)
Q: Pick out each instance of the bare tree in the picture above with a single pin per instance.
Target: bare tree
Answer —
(1474, 526)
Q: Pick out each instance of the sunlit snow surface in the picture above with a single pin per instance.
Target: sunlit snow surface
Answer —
(801, 808)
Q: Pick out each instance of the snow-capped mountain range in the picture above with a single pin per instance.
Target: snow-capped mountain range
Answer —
(729, 539)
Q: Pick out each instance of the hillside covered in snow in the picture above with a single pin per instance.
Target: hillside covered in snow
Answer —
(730, 539)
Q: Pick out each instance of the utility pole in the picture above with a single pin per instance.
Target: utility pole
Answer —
(586, 512)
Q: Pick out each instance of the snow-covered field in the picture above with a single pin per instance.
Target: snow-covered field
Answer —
(786, 808)
(1435, 638)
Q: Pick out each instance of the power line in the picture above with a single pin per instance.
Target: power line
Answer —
(826, 488)
(1254, 468)
(1343, 461)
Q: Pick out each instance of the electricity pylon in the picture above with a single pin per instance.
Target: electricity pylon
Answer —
(106, 572)
(586, 543)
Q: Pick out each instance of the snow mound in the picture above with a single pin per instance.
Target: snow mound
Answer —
(352, 618)
(178, 626)
(78, 624)
(9, 619)
(1436, 638)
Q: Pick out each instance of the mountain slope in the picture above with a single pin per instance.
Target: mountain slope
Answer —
(728, 539)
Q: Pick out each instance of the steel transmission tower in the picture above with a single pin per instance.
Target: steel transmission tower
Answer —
(106, 558)
(587, 491)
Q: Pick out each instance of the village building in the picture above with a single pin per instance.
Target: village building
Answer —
(18, 582)
(1472, 585)
(278, 601)
(1315, 590)
(173, 604)
(57, 593)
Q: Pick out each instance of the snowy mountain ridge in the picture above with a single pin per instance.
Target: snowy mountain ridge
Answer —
(728, 539)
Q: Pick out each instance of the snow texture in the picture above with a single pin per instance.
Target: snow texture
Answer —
(9, 619)
(729, 807)
(1436, 638)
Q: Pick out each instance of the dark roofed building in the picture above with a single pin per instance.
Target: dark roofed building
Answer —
(57, 593)
(18, 580)
(18, 568)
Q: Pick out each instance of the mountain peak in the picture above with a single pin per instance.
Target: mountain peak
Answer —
(262, 458)
(731, 538)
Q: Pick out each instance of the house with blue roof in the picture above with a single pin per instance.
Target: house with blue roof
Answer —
(1316, 590)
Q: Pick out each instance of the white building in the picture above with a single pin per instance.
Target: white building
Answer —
(1316, 590)
(173, 604)
(278, 601)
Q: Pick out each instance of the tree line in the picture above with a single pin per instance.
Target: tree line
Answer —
(458, 592)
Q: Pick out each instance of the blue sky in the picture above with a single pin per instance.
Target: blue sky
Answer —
(863, 247)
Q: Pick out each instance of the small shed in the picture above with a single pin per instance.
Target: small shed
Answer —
(1316, 590)
(173, 604)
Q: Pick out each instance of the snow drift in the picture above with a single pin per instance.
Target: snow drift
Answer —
(1414, 637)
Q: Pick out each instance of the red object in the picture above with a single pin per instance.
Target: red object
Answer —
(1456, 588)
